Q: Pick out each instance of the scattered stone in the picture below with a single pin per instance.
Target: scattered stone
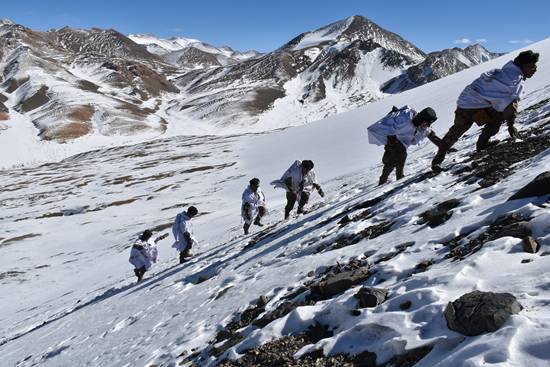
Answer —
(410, 357)
(371, 297)
(545, 253)
(318, 332)
(538, 187)
(351, 239)
(282, 310)
(281, 352)
(440, 214)
(311, 273)
(479, 312)
(525, 261)
(262, 301)
(530, 245)
(356, 312)
(423, 266)
(514, 225)
(405, 305)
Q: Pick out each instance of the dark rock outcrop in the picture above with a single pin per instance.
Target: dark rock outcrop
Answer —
(338, 283)
(371, 297)
(440, 214)
(479, 312)
(538, 187)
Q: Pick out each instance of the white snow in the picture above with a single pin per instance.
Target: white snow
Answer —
(68, 296)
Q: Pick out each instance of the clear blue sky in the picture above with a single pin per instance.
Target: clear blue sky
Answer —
(265, 25)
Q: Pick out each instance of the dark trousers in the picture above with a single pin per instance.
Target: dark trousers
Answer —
(395, 156)
(261, 212)
(291, 199)
(490, 119)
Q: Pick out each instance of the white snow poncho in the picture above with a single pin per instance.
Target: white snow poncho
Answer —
(254, 200)
(496, 88)
(307, 181)
(143, 254)
(181, 225)
(398, 123)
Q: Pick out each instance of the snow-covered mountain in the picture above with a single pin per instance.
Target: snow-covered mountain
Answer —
(191, 53)
(99, 88)
(69, 296)
(437, 65)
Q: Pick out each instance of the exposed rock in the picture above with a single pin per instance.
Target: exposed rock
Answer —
(338, 283)
(538, 187)
(423, 266)
(410, 357)
(371, 297)
(281, 352)
(530, 245)
(440, 214)
(514, 225)
(351, 239)
(405, 305)
(282, 310)
(262, 301)
(525, 261)
(479, 312)
(495, 163)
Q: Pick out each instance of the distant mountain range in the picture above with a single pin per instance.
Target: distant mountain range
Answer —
(71, 83)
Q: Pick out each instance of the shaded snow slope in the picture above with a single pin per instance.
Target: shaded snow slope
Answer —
(69, 297)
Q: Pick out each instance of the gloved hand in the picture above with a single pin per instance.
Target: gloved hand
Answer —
(321, 192)
(514, 134)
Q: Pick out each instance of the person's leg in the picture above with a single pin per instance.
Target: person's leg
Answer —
(182, 257)
(261, 212)
(141, 272)
(463, 121)
(399, 160)
(304, 198)
(290, 201)
(246, 227)
(388, 164)
(487, 132)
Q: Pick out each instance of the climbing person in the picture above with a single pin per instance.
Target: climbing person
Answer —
(253, 206)
(143, 254)
(488, 101)
(183, 233)
(398, 130)
(299, 181)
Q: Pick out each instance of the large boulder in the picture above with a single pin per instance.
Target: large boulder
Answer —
(538, 187)
(479, 312)
(371, 297)
(339, 283)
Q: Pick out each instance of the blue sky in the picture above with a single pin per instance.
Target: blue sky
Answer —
(265, 25)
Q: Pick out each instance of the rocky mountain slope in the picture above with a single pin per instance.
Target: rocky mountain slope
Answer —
(99, 85)
(297, 292)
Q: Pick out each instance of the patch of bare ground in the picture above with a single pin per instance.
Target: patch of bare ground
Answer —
(12, 240)
(87, 86)
(13, 84)
(38, 99)
(264, 99)
(4, 116)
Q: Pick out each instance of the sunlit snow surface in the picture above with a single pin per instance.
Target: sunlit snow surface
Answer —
(68, 292)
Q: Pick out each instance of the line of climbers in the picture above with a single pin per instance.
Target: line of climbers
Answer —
(489, 101)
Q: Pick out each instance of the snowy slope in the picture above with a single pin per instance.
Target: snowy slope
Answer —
(67, 292)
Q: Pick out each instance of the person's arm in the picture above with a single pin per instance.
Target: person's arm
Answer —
(510, 120)
(319, 189)
(434, 138)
